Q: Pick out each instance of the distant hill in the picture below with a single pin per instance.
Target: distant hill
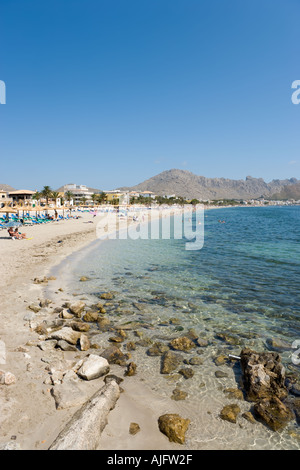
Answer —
(291, 191)
(6, 187)
(188, 185)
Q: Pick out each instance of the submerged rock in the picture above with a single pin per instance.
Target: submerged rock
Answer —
(170, 362)
(178, 395)
(182, 344)
(230, 413)
(131, 369)
(174, 427)
(157, 349)
(273, 412)
(134, 428)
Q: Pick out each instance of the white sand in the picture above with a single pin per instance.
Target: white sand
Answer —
(28, 414)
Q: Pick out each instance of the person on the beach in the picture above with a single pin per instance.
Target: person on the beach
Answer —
(16, 234)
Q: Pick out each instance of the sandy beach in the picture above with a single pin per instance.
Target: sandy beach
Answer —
(29, 418)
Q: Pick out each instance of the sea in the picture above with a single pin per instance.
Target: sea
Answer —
(241, 289)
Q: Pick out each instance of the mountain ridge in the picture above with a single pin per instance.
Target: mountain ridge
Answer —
(189, 185)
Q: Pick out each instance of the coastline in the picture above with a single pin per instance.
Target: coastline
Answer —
(29, 417)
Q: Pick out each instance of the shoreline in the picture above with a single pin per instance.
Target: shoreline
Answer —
(28, 416)
(29, 419)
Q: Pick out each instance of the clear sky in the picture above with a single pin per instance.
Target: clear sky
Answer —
(108, 93)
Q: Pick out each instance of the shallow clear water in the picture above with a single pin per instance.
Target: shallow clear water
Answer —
(244, 282)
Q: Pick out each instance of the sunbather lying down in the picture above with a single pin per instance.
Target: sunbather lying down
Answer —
(16, 234)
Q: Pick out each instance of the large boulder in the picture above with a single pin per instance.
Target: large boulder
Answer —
(263, 375)
(273, 412)
(93, 367)
(174, 427)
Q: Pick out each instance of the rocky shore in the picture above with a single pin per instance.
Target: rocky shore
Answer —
(85, 358)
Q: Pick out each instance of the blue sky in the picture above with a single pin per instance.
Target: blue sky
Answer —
(109, 93)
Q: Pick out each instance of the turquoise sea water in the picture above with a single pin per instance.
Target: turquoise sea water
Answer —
(244, 282)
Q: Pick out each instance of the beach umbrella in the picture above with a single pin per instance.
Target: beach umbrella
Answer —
(12, 224)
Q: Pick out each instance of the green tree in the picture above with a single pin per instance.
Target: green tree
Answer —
(47, 193)
(68, 196)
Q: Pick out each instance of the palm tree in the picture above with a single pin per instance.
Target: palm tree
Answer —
(94, 197)
(37, 196)
(55, 195)
(102, 197)
(83, 200)
(46, 193)
(68, 196)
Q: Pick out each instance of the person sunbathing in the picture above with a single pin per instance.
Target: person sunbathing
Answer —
(16, 234)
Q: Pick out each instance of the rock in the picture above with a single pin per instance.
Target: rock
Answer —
(84, 430)
(84, 342)
(77, 308)
(263, 375)
(80, 326)
(157, 349)
(134, 428)
(93, 367)
(170, 362)
(68, 394)
(111, 377)
(65, 314)
(45, 303)
(273, 413)
(114, 355)
(182, 344)
(220, 374)
(220, 360)
(229, 338)
(195, 361)
(10, 446)
(131, 369)
(234, 393)
(7, 378)
(84, 278)
(230, 412)
(65, 346)
(187, 372)
(66, 334)
(201, 342)
(107, 296)
(131, 346)
(48, 345)
(91, 317)
(278, 345)
(174, 427)
(34, 307)
(178, 395)
(249, 417)
(104, 324)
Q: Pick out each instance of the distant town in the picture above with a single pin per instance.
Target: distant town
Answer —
(71, 195)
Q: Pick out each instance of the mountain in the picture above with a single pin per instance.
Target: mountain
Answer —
(188, 185)
(6, 187)
(291, 191)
